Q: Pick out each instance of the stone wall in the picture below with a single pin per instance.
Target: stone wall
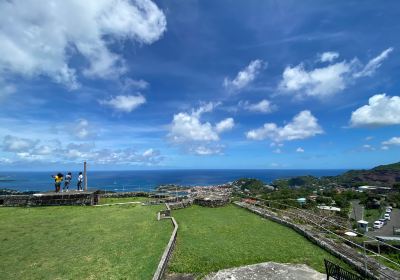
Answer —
(51, 199)
(180, 205)
(125, 194)
(162, 265)
(213, 202)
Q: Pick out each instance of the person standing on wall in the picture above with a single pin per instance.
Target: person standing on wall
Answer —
(80, 180)
(57, 181)
(67, 181)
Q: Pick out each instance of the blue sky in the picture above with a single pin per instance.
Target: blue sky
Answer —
(199, 84)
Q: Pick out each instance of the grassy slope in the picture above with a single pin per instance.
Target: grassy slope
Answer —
(115, 242)
(213, 239)
(371, 215)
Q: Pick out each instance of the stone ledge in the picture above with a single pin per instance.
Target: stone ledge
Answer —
(268, 270)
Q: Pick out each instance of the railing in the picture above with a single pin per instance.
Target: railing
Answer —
(339, 273)
(158, 275)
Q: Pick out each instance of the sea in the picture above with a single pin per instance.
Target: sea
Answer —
(149, 180)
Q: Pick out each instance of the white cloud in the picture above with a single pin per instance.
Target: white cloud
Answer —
(385, 148)
(245, 76)
(329, 80)
(205, 150)
(82, 130)
(381, 110)
(320, 82)
(264, 106)
(187, 128)
(39, 38)
(368, 147)
(125, 103)
(328, 56)
(373, 64)
(17, 144)
(27, 150)
(392, 141)
(224, 125)
(300, 150)
(303, 125)
(196, 136)
(131, 84)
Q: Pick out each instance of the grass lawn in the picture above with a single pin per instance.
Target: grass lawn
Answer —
(371, 215)
(72, 242)
(109, 200)
(210, 239)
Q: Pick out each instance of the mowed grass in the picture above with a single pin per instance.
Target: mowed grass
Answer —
(112, 242)
(210, 239)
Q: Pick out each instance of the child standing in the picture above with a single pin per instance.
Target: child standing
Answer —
(67, 181)
(80, 180)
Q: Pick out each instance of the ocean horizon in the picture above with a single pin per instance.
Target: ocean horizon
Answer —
(149, 180)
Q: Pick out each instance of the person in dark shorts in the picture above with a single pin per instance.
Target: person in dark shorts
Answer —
(67, 181)
(57, 181)
(80, 180)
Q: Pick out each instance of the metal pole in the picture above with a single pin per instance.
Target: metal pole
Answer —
(84, 176)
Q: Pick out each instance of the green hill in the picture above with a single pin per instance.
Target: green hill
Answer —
(391, 167)
(382, 175)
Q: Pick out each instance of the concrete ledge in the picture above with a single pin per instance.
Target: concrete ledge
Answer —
(268, 270)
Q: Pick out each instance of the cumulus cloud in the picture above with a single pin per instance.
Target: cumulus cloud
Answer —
(328, 56)
(196, 136)
(264, 106)
(300, 150)
(392, 141)
(328, 80)
(303, 125)
(320, 82)
(187, 128)
(39, 38)
(381, 110)
(245, 76)
(124, 103)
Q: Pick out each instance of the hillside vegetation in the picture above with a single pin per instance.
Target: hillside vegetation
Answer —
(383, 175)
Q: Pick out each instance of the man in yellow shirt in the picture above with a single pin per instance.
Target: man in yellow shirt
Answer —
(57, 181)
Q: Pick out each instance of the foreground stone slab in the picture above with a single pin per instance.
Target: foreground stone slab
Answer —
(270, 271)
